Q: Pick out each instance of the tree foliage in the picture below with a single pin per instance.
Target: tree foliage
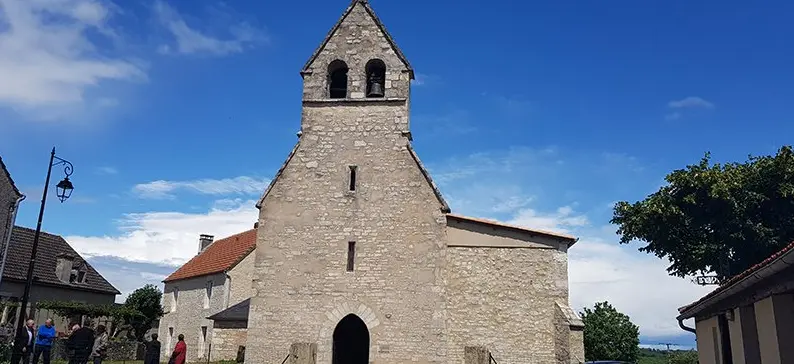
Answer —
(715, 218)
(684, 357)
(145, 300)
(137, 315)
(72, 309)
(609, 334)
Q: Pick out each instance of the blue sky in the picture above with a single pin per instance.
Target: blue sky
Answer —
(539, 113)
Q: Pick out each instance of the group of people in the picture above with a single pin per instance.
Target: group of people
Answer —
(152, 354)
(83, 343)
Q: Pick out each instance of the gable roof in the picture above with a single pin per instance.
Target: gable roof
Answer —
(238, 312)
(570, 238)
(3, 169)
(377, 21)
(50, 247)
(740, 281)
(221, 256)
(444, 206)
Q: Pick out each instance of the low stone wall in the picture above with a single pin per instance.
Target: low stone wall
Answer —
(117, 350)
(226, 342)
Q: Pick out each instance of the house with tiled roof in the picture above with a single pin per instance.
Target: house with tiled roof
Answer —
(750, 317)
(60, 273)
(218, 278)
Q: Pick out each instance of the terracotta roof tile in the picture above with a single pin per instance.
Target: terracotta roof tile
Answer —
(735, 279)
(220, 256)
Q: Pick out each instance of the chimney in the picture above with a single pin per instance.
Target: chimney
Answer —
(205, 241)
(63, 267)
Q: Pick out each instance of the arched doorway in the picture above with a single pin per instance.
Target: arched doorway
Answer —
(351, 341)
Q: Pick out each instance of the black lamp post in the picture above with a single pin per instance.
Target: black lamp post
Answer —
(63, 191)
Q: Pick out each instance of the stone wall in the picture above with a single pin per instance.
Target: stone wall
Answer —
(356, 42)
(309, 216)
(241, 280)
(226, 343)
(8, 198)
(116, 350)
(190, 316)
(505, 299)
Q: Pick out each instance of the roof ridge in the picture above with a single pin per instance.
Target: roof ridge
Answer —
(220, 256)
(378, 23)
(512, 226)
(739, 277)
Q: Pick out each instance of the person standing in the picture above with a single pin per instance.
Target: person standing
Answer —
(100, 344)
(180, 351)
(81, 342)
(152, 354)
(28, 348)
(44, 338)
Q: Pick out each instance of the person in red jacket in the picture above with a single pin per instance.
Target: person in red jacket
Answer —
(180, 351)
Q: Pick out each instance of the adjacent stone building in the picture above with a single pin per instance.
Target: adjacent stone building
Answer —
(10, 198)
(359, 259)
(219, 277)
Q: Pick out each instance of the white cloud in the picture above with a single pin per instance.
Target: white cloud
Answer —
(242, 185)
(634, 283)
(191, 41)
(169, 238)
(48, 61)
(690, 102)
(562, 220)
(107, 170)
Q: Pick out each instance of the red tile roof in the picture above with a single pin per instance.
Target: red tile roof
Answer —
(735, 279)
(220, 256)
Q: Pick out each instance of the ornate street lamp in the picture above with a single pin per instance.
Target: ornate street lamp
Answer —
(63, 191)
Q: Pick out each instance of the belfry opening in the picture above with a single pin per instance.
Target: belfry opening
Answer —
(351, 341)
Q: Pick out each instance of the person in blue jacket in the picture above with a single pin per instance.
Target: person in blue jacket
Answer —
(44, 339)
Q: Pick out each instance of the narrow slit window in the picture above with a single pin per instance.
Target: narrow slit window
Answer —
(352, 186)
(351, 255)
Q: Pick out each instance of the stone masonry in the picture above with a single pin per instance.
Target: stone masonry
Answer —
(187, 315)
(425, 283)
(8, 203)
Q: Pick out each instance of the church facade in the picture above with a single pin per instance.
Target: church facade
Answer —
(359, 259)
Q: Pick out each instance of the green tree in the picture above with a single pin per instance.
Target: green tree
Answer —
(715, 218)
(145, 300)
(684, 357)
(609, 334)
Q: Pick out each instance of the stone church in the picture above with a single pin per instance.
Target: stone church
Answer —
(357, 258)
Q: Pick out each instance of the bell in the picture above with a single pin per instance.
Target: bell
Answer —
(376, 89)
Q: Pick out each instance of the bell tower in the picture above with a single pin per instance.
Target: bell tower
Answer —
(349, 253)
(357, 64)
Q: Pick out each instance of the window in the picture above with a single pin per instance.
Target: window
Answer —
(175, 294)
(351, 255)
(169, 340)
(81, 276)
(352, 186)
(208, 294)
(376, 77)
(337, 79)
(202, 341)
